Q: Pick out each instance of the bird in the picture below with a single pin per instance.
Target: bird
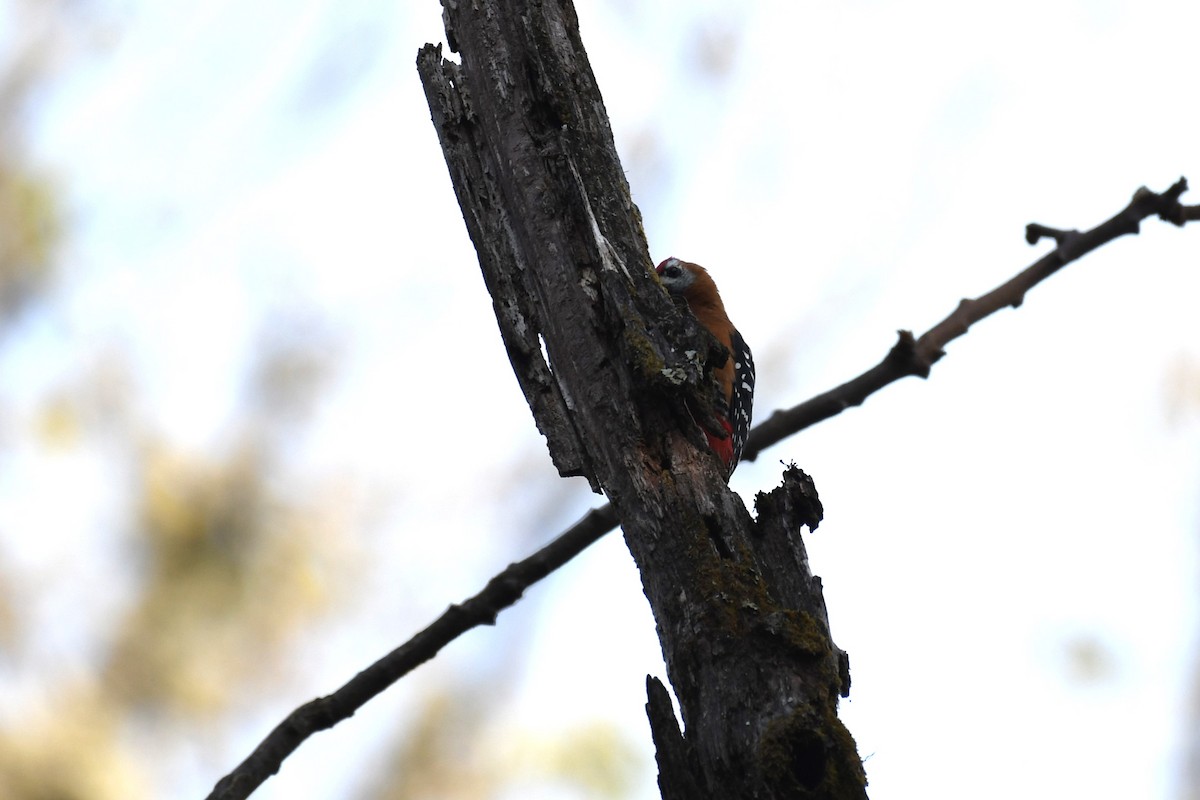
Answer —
(733, 400)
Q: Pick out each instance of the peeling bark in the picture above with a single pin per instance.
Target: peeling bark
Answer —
(741, 620)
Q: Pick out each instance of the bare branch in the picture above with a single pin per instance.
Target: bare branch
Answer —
(916, 356)
(325, 712)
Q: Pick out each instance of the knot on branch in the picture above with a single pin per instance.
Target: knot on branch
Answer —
(795, 500)
(907, 358)
(1063, 239)
(1167, 204)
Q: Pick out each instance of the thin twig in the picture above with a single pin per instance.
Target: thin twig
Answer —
(910, 356)
(325, 712)
(916, 356)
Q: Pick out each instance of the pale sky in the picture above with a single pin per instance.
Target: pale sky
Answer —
(844, 170)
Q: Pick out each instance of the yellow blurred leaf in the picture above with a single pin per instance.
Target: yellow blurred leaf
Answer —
(228, 579)
(71, 751)
(58, 423)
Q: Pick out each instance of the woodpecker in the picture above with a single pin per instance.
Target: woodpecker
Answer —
(733, 402)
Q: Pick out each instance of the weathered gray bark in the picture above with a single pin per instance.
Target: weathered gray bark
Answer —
(741, 620)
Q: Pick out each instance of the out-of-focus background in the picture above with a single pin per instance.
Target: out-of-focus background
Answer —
(257, 426)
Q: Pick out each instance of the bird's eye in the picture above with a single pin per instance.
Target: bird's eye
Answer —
(673, 271)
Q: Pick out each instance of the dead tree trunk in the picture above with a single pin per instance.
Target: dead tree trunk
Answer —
(560, 242)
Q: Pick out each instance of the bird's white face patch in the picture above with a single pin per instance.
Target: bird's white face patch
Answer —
(674, 275)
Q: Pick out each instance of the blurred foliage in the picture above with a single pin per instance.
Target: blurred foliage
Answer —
(296, 359)
(228, 565)
(30, 213)
(451, 751)
(98, 400)
(1089, 660)
(29, 229)
(229, 570)
(70, 750)
(596, 759)
(10, 613)
(224, 553)
(226, 580)
(438, 754)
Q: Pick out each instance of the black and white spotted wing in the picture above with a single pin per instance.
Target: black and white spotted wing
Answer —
(741, 405)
